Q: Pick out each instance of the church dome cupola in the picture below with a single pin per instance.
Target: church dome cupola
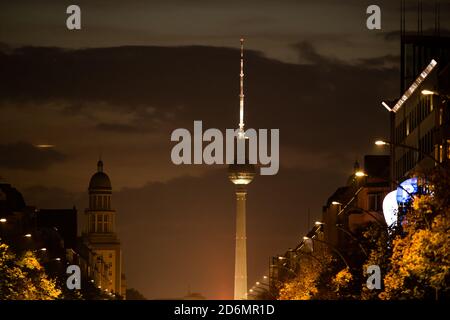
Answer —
(100, 180)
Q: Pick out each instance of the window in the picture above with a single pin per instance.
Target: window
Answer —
(105, 223)
(92, 223)
(100, 223)
(375, 202)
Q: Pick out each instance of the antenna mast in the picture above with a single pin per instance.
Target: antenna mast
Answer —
(241, 134)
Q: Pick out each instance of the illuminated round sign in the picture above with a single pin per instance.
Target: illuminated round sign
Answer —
(390, 207)
(406, 189)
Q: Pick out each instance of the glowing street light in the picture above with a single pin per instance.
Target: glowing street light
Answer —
(28, 235)
(58, 259)
(424, 154)
(360, 174)
(3, 220)
(336, 203)
(319, 223)
(43, 249)
(428, 92)
(381, 143)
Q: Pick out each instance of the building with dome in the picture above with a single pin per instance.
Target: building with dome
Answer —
(100, 233)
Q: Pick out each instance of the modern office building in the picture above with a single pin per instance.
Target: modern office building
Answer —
(420, 125)
(421, 122)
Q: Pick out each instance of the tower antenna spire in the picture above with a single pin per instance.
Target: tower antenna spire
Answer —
(241, 94)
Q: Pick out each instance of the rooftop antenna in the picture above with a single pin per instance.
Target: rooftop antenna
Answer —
(100, 162)
(241, 132)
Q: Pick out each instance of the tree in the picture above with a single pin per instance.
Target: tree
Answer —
(23, 278)
(420, 261)
(133, 294)
(307, 283)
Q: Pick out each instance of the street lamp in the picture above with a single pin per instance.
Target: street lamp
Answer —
(360, 173)
(283, 266)
(3, 220)
(330, 246)
(351, 235)
(389, 143)
(381, 143)
(28, 235)
(427, 92)
(360, 209)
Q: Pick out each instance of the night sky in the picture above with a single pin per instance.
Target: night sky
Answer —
(140, 69)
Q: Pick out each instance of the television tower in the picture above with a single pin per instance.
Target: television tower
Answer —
(241, 175)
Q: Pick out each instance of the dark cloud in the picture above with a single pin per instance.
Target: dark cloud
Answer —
(387, 61)
(307, 52)
(182, 84)
(117, 127)
(22, 155)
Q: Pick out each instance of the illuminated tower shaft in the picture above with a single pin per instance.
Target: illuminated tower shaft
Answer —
(241, 175)
(240, 264)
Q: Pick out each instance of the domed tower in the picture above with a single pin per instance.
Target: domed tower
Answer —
(100, 235)
(241, 175)
(100, 201)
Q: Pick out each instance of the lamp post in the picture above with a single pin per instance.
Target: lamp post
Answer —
(309, 254)
(330, 246)
(283, 266)
(339, 227)
(360, 209)
(390, 143)
(2, 223)
(427, 92)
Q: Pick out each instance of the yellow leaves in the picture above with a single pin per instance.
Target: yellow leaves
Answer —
(420, 259)
(342, 278)
(24, 278)
(29, 261)
(304, 287)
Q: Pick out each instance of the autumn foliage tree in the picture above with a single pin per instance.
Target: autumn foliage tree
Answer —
(23, 278)
(416, 261)
(420, 262)
(306, 285)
